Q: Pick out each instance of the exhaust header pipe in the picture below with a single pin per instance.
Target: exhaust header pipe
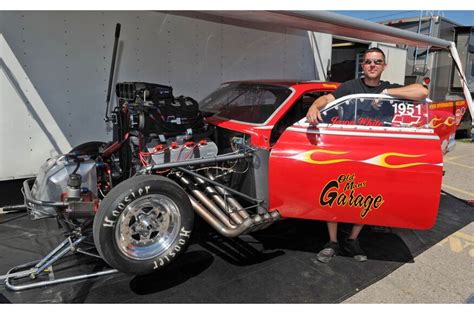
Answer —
(226, 231)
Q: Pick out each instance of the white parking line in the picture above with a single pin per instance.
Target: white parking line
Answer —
(458, 164)
(457, 157)
(457, 190)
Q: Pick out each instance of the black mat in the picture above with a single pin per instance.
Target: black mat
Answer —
(275, 265)
(11, 192)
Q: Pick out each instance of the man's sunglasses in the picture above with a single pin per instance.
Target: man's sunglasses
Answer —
(376, 62)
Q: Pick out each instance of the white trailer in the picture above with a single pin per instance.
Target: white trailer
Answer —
(54, 84)
(54, 69)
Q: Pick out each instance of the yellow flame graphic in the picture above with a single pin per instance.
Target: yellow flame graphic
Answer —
(306, 157)
(381, 161)
(449, 122)
(433, 121)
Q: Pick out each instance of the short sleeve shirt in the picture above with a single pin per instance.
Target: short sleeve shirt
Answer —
(358, 86)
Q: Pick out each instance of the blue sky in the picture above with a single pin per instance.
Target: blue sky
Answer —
(461, 17)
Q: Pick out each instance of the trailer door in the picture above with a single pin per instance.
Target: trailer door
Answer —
(372, 161)
(396, 59)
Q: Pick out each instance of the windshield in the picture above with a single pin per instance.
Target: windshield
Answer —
(246, 102)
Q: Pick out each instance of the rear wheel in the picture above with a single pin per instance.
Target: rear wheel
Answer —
(143, 224)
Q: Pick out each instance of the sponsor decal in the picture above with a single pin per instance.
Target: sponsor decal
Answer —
(459, 114)
(442, 105)
(360, 121)
(459, 103)
(345, 191)
(336, 120)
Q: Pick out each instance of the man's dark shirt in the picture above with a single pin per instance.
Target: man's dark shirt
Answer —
(358, 86)
(364, 108)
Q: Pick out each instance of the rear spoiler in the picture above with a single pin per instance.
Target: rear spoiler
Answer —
(342, 25)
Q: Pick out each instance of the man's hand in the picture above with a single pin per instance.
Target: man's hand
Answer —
(314, 115)
(376, 105)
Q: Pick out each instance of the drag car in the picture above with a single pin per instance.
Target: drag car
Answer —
(242, 161)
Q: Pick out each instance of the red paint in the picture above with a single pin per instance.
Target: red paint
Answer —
(410, 195)
(402, 190)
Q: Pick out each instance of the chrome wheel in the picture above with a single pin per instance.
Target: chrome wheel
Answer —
(147, 227)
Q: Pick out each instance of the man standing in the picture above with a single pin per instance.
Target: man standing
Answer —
(373, 65)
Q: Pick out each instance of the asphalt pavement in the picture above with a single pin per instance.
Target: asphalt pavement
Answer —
(459, 170)
(445, 272)
(277, 265)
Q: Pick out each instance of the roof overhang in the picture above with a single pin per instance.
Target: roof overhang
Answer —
(346, 26)
(335, 24)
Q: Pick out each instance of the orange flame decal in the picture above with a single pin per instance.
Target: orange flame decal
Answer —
(451, 121)
(306, 157)
(434, 122)
(381, 160)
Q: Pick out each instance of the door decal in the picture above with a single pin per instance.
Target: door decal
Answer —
(309, 157)
(345, 191)
(436, 122)
(314, 157)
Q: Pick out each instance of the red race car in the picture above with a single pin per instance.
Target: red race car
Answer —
(245, 160)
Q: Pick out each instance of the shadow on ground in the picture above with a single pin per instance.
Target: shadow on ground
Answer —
(275, 265)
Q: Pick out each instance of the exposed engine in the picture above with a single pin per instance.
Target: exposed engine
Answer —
(136, 196)
(148, 140)
(151, 127)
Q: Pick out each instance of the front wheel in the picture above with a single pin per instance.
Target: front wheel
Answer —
(143, 224)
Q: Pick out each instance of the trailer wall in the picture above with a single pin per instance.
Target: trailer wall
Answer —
(66, 56)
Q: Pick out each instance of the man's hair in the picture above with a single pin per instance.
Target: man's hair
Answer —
(375, 49)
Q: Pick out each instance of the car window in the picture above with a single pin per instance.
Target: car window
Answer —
(295, 113)
(376, 111)
(246, 102)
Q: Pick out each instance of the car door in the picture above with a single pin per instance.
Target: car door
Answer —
(373, 160)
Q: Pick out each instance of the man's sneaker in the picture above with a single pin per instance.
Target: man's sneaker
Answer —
(330, 250)
(352, 248)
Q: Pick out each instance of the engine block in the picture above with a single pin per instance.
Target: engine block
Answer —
(181, 151)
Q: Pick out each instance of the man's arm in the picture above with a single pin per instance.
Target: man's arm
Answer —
(314, 116)
(415, 92)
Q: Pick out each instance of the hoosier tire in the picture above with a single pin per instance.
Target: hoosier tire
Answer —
(143, 224)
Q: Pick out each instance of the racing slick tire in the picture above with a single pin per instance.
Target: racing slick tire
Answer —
(143, 224)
